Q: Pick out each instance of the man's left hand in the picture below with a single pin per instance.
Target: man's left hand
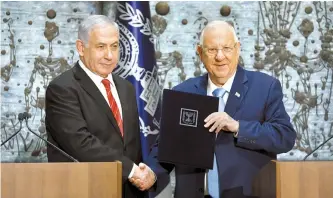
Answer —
(218, 121)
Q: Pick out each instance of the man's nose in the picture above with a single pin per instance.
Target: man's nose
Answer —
(108, 54)
(220, 55)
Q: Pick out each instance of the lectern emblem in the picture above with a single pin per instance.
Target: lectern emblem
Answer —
(188, 117)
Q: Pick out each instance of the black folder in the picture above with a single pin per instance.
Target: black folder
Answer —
(183, 138)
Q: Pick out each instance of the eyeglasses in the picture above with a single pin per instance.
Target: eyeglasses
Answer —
(214, 51)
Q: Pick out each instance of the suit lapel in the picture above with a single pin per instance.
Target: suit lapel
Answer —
(201, 85)
(237, 93)
(88, 85)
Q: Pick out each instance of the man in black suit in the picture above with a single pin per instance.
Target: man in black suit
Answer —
(92, 114)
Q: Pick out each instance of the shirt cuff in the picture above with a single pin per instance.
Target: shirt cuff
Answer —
(236, 134)
(132, 171)
(155, 177)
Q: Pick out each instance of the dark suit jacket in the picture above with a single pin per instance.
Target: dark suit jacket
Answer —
(80, 121)
(264, 131)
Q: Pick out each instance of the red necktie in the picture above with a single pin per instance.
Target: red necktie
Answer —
(113, 105)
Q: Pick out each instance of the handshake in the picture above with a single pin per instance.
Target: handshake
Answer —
(143, 177)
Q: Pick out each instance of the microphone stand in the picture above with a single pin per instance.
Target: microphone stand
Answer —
(20, 118)
(53, 146)
(320, 145)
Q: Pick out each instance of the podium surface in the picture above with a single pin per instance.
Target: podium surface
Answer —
(65, 180)
(295, 179)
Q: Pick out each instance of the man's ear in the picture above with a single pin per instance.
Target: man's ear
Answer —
(80, 47)
(238, 45)
(199, 51)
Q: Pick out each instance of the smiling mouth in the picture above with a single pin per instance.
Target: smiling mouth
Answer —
(107, 65)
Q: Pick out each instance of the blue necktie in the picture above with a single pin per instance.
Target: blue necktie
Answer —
(213, 175)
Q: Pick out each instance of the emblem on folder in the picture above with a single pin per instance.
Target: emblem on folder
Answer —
(188, 117)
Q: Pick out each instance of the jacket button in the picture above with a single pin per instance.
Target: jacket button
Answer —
(201, 190)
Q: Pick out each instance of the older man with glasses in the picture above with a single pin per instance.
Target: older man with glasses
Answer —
(251, 125)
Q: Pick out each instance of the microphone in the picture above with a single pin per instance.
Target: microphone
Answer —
(26, 116)
(320, 145)
(20, 118)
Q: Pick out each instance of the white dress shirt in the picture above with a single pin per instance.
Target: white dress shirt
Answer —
(227, 86)
(98, 82)
(210, 88)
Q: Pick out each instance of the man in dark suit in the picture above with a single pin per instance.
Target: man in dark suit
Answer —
(92, 114)
(251, 126)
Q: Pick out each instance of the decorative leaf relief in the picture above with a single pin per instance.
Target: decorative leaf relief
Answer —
(135, 18)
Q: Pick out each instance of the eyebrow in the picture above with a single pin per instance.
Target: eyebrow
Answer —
(232, 45)
(100, 43)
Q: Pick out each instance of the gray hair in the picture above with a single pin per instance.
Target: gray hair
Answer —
(214, 24)
(89, 24)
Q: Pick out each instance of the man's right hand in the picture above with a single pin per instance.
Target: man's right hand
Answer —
(143, 177)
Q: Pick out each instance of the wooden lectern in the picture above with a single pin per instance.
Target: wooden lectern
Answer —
(295, 179)
(61, 180)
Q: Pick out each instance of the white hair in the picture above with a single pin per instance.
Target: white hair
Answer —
(214, 24)
(89, 24)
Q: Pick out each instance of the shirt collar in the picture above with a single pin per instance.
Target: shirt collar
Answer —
(227, 86)
(94, 77)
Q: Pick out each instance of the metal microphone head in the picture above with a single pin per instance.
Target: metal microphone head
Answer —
(26, 115)
(20, 117)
